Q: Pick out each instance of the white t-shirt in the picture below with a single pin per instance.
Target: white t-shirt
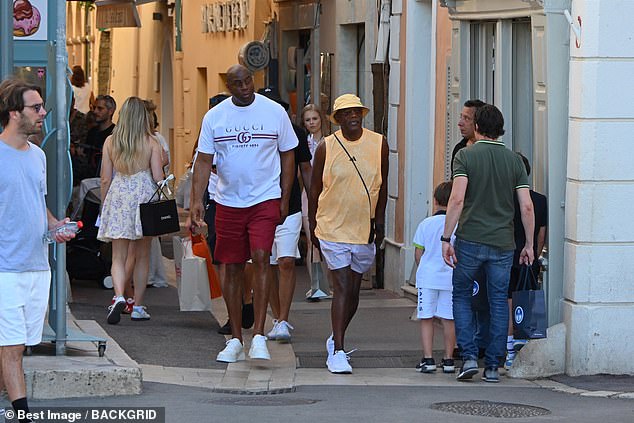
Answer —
(82, 97)
(246, 142)
(432, 272)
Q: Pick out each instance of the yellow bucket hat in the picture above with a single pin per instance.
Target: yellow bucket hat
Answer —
(347, 101)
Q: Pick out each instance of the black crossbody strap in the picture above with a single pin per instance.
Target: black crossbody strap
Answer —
(356, 168)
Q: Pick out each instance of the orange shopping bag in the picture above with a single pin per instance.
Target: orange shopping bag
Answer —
(201, 249)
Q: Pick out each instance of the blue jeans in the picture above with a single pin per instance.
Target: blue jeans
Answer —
(496, 264)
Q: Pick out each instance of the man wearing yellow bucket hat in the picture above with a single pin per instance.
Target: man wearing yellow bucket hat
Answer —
(346, 212)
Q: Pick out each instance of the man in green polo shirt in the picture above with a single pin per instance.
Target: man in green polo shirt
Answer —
(485, 177)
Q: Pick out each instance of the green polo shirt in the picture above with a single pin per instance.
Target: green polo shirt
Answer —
(494, 173)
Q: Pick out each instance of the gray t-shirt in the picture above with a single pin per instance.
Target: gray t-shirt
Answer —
(23, 219)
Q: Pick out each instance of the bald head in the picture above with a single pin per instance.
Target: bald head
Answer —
(240, 85)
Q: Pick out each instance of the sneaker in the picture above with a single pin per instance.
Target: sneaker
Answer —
(129, 306)
(258, 350)
(226, 329)
(338, 363)
(330, 345)
(448, 365)
(139, 313)
(272, 335)
(233, 352)
(247, 316)
(491, 374)
(518, 344)
(510, 358)
(468, 370)
(115, 309)
(283, 332)
(426, 365)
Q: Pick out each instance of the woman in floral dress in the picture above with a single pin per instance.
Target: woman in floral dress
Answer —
(134, 157)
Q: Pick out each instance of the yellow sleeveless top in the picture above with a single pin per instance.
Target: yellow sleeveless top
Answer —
(343, 208)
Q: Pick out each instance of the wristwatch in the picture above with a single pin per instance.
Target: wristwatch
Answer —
(443, 239)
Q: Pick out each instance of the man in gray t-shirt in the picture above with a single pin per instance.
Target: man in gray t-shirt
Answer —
(24, 270)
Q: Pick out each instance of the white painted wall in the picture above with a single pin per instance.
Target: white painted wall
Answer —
(599, 240)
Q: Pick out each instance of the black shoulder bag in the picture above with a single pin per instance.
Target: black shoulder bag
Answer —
(352, 160)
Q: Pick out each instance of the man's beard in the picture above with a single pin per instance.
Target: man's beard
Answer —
(28, 128)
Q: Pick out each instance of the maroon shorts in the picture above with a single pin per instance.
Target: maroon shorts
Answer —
(242, 230)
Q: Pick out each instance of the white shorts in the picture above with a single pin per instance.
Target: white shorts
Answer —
(434, 303)
(23, 304)
(340, 254)
(287, 237)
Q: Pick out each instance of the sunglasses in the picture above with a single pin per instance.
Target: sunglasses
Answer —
(36, 107)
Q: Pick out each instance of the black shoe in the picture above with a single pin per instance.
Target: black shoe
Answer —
(226, 329)
(448, 365)
(247, 316)
(427, 365)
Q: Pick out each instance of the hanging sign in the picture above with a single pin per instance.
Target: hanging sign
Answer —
(117, 14)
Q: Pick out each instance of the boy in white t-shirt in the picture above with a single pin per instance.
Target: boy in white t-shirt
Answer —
(433, 281)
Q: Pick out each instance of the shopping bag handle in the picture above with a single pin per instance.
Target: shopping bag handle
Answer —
(161, 184)
(527, 277)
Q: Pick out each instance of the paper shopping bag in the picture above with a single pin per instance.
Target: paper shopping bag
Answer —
(193, 289)
(182, 249)
(201, 249)
(529, 308)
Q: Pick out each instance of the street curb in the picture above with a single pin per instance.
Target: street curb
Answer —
(560, 387)
(83, 374)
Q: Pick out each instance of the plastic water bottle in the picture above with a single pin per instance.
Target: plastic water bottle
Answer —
(65, 229)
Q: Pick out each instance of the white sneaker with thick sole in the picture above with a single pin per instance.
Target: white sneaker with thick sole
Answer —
(258, 350)
(338, 363)
(233, 352)
(272, 335)
(284, 331)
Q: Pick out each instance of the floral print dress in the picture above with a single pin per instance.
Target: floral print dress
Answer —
(120, 215)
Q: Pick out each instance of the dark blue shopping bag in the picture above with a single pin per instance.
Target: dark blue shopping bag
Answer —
(529, 307)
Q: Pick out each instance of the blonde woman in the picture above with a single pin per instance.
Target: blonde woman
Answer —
(134, 156)
(312, 121)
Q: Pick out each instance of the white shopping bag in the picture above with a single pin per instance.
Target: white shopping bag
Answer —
(182, 249)
(193, 290)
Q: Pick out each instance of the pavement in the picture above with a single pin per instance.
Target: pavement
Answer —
(173, 356)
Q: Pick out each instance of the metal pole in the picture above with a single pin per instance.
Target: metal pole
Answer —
(6, 38)
(61, 65)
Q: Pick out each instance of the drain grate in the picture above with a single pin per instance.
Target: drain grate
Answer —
(490, 409)
(261, 401)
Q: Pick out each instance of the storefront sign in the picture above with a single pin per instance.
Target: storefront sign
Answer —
(117, 13)
(30, 20)
(224, 16)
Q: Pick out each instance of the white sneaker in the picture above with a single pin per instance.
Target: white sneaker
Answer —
(233, 352)
(114, 311)
(272, 335)
(330, 345)
(284, 332)
(139, 313)
(338, 363)
(258, 350)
